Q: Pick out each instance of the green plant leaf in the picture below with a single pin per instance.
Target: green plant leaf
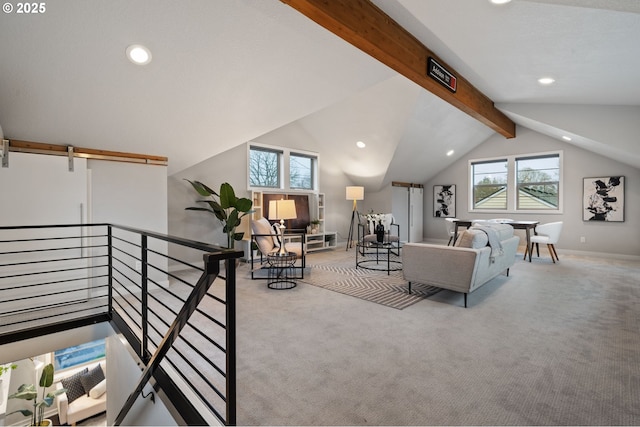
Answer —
(238, 236)
(46, 379)
(202, 189)
(25, 392)
(227, 196)
(244, 204)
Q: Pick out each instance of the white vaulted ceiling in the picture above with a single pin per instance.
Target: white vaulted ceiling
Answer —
(227, 71)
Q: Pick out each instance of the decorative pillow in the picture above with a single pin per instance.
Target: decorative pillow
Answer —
(262, 226)
(74, 385)
(98, 390)
(91, 378)
(474, 239)
(276, 230)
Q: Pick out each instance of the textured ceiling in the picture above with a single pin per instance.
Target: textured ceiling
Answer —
(227, 71)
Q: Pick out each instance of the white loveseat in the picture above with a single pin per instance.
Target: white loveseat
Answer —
(84, 406)
(465, 267)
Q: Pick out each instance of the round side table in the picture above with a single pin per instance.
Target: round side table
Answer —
(281, 271)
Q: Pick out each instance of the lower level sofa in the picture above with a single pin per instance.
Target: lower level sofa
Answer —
(91, 402)
(468, 265)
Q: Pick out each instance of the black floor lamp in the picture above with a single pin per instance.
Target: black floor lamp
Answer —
(355, 194)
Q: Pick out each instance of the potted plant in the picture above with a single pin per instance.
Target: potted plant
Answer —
(30, 392)
(315, 225)
(225, 206)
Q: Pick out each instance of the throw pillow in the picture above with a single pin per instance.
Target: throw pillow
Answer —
(474, 239)
(98, 390)
(92, 378)
(276, 230)
(73, 385)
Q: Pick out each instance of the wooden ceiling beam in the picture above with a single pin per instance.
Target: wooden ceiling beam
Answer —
(368, 28)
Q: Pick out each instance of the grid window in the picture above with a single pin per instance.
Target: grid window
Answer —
(79, 354)
(538, 181)
(264, 167)
(490, 184)
(301, 171)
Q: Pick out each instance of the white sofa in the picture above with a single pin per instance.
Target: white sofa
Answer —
(84, 406)
(465, 267)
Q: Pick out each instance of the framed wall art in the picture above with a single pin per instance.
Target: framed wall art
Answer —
(444, 201)
(603, 199)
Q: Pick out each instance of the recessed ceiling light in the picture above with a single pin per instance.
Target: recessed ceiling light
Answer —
(546, 80)
(361, 144)
(138, 54)
(500, 1)
(566, 138)
(450, 153)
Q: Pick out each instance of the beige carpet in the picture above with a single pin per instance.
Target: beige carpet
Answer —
(552, 344)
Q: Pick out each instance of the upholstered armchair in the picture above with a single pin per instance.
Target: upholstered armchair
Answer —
(367, 230)
(266, 239)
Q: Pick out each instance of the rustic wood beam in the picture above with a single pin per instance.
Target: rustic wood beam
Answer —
(368, 28)
(89, 153)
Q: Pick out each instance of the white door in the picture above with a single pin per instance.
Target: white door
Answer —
(416, 207)
(400, 210)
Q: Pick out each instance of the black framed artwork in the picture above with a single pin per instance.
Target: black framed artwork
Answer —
(444, 201)
(603, 199)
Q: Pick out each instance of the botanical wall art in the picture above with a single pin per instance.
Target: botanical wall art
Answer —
(603, 199)
(444, 201)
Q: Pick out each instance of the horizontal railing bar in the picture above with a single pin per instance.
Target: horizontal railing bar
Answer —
(54, 315)
(69, 248)
(56, 282)
(54, 260)
(36, 227)
(43, 272)
(55, 293)
(129, 293)
(126, 276)
(123, 240)
(90, 236)
(195, 267)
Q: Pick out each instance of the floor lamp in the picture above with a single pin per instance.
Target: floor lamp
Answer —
(355, 194)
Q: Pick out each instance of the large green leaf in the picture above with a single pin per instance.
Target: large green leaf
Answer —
(25, 392)
(46, 379)
(244, 205)
(202, 189)
(227, 196)
(238, 236)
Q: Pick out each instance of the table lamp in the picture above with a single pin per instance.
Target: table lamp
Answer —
(282, 209)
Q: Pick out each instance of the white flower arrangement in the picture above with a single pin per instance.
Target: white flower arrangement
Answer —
(375, 217)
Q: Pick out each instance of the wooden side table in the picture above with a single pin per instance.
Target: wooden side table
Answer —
(281, 271)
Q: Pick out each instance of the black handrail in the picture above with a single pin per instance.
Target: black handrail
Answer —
(123, 295)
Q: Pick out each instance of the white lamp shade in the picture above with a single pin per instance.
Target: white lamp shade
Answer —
(355, 193)
(282, 209)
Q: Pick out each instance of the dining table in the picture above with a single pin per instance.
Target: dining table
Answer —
(518, 225)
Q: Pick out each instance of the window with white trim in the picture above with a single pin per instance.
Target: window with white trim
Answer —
(79, 354)
(264, 167)
(523, 183)
(281, 168)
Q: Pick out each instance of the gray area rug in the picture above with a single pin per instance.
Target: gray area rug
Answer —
(379, 287)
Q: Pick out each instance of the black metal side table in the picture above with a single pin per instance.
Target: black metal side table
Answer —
(281, 271)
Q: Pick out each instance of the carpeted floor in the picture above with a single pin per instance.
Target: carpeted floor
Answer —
(552, 344)
(337, 272)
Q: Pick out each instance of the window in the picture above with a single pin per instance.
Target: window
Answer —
(79, 354)
(538, 181)
(490, 184)
(300, 171)
(264, 167)
(523, 183)
(281, 168)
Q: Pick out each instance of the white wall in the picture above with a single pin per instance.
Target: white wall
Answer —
(129, 194)
(613, 238)
(123, 374)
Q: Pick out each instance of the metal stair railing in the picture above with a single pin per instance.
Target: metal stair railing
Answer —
(122, 275)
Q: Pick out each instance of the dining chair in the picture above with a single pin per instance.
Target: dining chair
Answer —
(548, 234)
(451, 229)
